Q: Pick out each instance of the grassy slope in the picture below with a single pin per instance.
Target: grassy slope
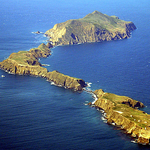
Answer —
(93, 27)
(139, 117)
(97, 19)
(110, 23)
(23, 56)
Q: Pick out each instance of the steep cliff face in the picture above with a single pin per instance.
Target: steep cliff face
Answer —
(66, 81)
(26, 63)
(42, 51)
(123, 111)
(15, 68)
(94, 27)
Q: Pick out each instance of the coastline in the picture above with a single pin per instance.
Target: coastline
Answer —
(61, 82)
(123, 119)
(106, 118)
(27, 63)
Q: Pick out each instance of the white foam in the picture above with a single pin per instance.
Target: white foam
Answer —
(113, 124)
(45, 65)
(103, 118)
(133, 141)
(102, 111)
(52, 83)
(95, 98)
(105, 121)
(89, 84)
(104, 114)
(2, 76)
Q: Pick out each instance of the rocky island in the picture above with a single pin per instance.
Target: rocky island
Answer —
(121, 111)
(94, 27)
(26, 63)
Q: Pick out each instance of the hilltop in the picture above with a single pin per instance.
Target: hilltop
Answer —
(94, 27)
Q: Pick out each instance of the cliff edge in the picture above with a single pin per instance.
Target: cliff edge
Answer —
(94, 27)
(124, 113)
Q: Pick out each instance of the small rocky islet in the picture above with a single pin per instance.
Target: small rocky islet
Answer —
(95, 27)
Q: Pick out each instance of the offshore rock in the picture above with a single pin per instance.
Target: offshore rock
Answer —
(94, 27)
(123, 111)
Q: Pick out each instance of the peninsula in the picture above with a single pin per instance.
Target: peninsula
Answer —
(95, 27)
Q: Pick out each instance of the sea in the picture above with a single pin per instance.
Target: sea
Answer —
(35, 115)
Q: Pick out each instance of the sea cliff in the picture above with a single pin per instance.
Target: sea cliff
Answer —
(124, 113)
(94, 27)
(27, 63)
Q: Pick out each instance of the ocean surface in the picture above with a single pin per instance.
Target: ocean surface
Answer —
(37, 115)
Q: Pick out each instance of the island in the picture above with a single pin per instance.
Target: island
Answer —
(121, 111)
(94, 27)
(27, 63)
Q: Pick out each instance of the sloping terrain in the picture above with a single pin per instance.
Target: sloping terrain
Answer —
(94, 27)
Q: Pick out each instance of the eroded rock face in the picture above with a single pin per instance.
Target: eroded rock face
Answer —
(94, 27)
(66, 81)
(14, 68)
(122, 111)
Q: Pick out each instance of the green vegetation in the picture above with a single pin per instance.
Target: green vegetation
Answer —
(103, 21)
(127, 108)
(30, 57)
(94, 27)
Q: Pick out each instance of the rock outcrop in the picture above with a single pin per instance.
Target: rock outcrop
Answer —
(94, 27)
(122, 111)
(66, 81)
(26, 63)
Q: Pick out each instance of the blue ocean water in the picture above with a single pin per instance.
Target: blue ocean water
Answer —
(37, 115)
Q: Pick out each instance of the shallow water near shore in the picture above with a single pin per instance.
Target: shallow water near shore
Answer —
(37, 115)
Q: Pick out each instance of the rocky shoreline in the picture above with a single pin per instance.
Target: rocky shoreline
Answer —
(94, 27)
(26, 63)
(121, 111)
